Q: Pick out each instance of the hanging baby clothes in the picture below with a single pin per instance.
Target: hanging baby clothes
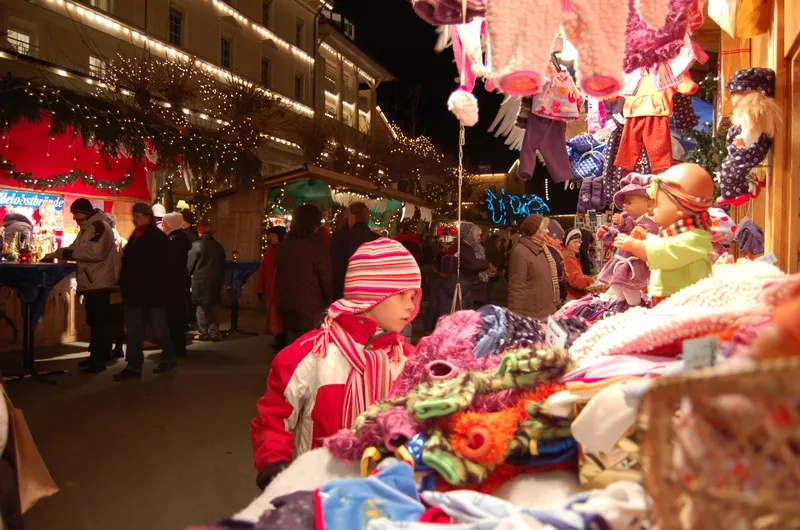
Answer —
(522, 32)
(647, 115)
(612, 174)
(545, 125)
(683, 114)
(446, 12)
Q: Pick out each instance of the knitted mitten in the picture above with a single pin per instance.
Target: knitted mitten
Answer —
(455, 469)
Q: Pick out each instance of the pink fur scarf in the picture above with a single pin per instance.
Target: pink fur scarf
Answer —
(645, 46)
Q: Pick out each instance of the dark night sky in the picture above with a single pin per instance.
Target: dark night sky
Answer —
(390, 32)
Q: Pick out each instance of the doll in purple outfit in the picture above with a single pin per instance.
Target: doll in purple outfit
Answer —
(625, 273)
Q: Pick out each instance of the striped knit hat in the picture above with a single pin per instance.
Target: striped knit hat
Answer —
(378, 270)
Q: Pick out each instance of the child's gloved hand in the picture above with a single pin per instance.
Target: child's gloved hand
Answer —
(270, 471)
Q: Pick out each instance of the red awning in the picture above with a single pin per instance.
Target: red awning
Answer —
(29, 147)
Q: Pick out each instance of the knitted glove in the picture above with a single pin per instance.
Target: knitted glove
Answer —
(270, 471)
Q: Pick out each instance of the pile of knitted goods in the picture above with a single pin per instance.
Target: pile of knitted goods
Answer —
(466, 410)
(592, 308)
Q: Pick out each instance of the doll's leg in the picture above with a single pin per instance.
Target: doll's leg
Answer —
(594, 28)
(633, 297)
(618, 291)
(521, 33)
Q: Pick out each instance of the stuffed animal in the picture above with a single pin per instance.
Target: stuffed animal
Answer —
(755, 122)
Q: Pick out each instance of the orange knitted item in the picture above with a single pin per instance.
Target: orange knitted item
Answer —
(483, 437)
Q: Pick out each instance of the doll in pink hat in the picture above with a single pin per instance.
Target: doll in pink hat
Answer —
(625, 273)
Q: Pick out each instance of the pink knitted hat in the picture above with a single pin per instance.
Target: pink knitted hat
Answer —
(730, 298)
(378, 270)
(632, 184)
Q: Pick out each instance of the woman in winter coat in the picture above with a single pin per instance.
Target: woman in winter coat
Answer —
(305, 275)
(532, 273)
(207, 269)
(577, 279)
(474, 265)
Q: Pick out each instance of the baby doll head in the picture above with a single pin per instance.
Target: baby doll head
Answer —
(753, 96)
(683, 191)
(632, 197)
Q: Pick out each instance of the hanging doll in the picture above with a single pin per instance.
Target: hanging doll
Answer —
(625, 273)
(755, 122)
(681, 254)
(545, 124)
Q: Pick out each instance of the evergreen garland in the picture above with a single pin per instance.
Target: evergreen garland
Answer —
(65, 179)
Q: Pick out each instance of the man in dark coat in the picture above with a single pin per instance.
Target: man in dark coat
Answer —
(178, 283)
(342, 249)
(207, 270)
(304, 274)
(143, 282)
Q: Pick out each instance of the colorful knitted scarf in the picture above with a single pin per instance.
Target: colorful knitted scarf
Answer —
(540, 242)
(701, 221)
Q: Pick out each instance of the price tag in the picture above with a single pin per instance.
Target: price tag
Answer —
(700, 353)
(769, 258)
(555, 337)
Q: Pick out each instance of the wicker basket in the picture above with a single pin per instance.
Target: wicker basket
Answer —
(725, 460)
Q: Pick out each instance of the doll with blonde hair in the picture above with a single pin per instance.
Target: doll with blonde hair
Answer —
(755, 122)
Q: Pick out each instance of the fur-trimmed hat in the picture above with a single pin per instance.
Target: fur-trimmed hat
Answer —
(760, 79)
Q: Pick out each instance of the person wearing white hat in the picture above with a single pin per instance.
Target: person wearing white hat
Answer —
(158, 214)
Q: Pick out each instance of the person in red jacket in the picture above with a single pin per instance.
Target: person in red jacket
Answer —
(267, 287)
(577, 280)
(320, 383)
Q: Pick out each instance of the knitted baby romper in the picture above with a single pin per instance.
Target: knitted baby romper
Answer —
(522, 34)
(735, 171)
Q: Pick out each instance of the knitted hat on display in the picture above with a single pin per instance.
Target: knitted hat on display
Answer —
(750, 237)
(760, 79)
(82, 205)
(159, 211)
(633, 184)
(378, 270)
(531, 224)
(172, 221)
(143, 209)
(729, 298)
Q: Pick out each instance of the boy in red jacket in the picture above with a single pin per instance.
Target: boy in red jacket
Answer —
(325, 379)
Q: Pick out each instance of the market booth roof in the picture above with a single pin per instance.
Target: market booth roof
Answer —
(333, 178)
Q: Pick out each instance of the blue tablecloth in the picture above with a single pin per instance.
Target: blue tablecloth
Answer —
(236, 275)
(34, 282)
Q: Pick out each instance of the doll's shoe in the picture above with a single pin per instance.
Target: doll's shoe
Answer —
(521, 83)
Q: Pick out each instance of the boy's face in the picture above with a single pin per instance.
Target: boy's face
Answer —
(394, 313)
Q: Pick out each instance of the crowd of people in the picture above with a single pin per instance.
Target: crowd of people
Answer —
(145, 288)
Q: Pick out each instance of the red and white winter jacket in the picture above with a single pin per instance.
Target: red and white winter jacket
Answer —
(305, 393)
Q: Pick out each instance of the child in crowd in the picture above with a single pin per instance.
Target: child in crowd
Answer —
(320, 383)
(441, 299)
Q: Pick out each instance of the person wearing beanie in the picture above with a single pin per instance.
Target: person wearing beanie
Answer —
(440, 300)
(207, 270)
(320, 383)
(577, 279)
(143, 281)
(188, 226)
(267, 287)
(93, 250)
(532, 272)
(178, 282)
(158, 214)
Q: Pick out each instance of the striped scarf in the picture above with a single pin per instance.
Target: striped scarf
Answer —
(378, 270)
(540, 242)
(701, 221)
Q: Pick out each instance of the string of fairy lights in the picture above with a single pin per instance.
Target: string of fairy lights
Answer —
(65, 179)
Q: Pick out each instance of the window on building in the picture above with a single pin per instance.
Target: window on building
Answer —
(175, 27)
(19, 41)
(97, 67)
(105, 5)
(299, 33)
(299, 87)
(349, 116)
(266, 5)
(265, 77)
(364, 122)
(225, 51)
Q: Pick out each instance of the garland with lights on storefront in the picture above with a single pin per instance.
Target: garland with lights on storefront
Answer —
(65, 179)
(115, 128)
(507, 209)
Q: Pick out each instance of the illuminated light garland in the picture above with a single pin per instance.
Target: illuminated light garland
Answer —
(347, 62)
(60, 180)
(505, 209)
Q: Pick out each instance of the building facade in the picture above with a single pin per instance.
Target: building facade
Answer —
(297, 51)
